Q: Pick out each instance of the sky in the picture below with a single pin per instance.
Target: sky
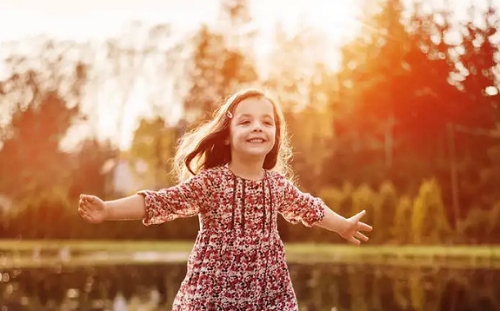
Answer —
(71, 18)
(101, 19)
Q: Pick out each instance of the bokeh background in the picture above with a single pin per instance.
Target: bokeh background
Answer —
(392, 106)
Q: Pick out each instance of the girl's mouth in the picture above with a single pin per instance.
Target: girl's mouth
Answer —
(256, 140)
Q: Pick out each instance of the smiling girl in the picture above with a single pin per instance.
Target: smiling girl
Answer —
(232, 176)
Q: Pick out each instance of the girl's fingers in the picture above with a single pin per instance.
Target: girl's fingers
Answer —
(358, 216)
(354, 241)
(83, 212)
(81, 205)
(361, 236)
(364, 227)
(85, 206)
(88, 205)
(89, 202)
(87, 199)
(92, 199)
(82, 200)
(85, 216)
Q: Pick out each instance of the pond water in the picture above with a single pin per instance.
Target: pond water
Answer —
(149, 287)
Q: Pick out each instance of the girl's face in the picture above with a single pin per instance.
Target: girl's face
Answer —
(253, 129)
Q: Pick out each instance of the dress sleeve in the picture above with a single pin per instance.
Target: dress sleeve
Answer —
(183, 200)
(297, 206)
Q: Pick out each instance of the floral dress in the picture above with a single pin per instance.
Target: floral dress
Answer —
(238, 259)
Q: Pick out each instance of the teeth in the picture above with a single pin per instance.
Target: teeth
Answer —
(257, 140)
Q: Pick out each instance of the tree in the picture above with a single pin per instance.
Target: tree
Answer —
(479, 105)
(206, 77)
(301, 86)
(218, 69)
(31, 153)
(141, 55)
(477, 109)
(43, 95)
(36, 171)
(395, 99)
(429, 222)
(366, 117)
(88, 163)
(154, 144)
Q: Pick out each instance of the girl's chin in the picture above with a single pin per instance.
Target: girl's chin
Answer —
(255, 152)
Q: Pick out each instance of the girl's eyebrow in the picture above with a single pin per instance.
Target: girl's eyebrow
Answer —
(249, 115)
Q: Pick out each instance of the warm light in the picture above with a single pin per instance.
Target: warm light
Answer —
(335, 20)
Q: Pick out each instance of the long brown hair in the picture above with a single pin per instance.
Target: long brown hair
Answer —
(205, 147)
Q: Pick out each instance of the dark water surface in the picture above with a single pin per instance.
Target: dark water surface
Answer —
(318, 287)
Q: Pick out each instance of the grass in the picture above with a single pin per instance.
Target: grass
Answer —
(19, 253)
(181, 246)
(89, 245)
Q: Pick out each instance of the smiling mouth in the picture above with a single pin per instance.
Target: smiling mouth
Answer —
(256, 141)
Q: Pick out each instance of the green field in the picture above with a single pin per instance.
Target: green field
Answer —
(21, 254)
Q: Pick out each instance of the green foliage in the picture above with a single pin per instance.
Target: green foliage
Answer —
(88, 175)
(31, 156)
(429, 223)
(154, 144)
(217, 68)
(311, 131)
(372, 135)
(385, 205)
(481, 226)
(400, 232)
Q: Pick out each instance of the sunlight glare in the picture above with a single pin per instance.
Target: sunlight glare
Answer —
(337, 19)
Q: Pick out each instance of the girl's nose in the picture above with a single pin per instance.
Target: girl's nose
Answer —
(257, 127)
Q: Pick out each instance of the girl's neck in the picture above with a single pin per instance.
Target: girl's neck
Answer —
(247, 169)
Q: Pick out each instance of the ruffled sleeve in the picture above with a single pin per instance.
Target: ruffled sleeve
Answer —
(183, 200)
(297, 206)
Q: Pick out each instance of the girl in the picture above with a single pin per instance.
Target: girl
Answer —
(232, 173)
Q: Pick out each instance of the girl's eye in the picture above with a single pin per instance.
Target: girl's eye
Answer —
(244, 122)
(268, 123)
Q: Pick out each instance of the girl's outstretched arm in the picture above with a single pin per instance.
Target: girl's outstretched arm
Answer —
(349, 228)
(95, 210)
(298, 206)
(128, 208)
(332, 221)
(152, 207)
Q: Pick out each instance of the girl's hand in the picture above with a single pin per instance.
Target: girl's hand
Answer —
(352, 229)
(92, 209)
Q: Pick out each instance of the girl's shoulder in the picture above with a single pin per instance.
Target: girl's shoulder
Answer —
(215, 174)
(222, 173)
(213, 171)
(282, 180)
(275, 175)
(278, 178)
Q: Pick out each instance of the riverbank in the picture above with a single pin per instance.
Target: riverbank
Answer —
(44, 253)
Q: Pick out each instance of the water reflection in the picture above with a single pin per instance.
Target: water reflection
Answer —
(318, 286)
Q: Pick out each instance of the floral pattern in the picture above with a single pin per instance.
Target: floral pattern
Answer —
(238, 259)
